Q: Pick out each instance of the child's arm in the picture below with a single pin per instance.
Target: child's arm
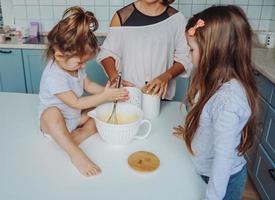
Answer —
(92, 87)
(108, 94)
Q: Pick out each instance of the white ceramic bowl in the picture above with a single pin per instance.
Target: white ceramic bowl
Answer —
(119, 134)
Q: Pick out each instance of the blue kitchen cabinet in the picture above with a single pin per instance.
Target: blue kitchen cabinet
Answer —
(265, 86)
(181, 89)
(265, 174)
(34, 62)
(261, 157)
(11, 71)
(268, 138)
(96, 73)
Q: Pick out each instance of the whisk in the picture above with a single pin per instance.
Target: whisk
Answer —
(113, 117)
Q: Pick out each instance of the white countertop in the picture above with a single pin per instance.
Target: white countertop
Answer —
(32, 167)
(18, 43)
(264, 60)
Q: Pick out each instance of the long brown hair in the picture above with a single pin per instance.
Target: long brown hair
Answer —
(73, 35)
(225, 43)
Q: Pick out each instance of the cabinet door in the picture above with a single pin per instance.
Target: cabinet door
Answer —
(34, 62)
(181, 89)
(250, 156)
(265, 175)
(268, 138)
(11, 71)
(265, 86)
(96, 73)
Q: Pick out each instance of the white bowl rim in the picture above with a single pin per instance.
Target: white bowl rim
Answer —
(122, 125)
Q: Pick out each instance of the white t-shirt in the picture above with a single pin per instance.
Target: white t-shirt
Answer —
(144, 52)
(55, 80)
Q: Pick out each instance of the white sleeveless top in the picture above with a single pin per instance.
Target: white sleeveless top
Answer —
(144, 52)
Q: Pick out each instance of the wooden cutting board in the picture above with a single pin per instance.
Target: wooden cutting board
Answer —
(143, 161)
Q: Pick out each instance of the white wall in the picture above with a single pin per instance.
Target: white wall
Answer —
(48, 12)
(272, 24)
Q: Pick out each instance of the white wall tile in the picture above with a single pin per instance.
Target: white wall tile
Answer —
(46, 2)
(32, 2)
(59, 2)
(18, 2)
(47, 25)
(102, 12)
(260, 12)
(116, 3)
(264, 25)
(103, 27)
(102, 2)
(87, 2)
(33, 13)
(213, 2)
(269, 2)
(186, 10)
(21, 22)
(241, 2)
(254, 12)
(20, 12)
(273, 13)
(227, 1)
(197, 8)
(254, 24)
(256, 2)
(58, 11)
(272, 26)
(73, 2)
(185, 1)
(126, 2)
(244, 8)
(266, 12)
(46, 12)
(89, 8)
(199, 1)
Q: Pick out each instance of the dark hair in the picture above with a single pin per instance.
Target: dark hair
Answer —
(73, 35)
(225, 43)
(167, 2)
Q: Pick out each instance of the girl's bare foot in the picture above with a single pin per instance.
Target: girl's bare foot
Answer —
(84, 165)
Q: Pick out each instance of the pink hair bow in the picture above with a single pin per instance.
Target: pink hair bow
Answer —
(192, 30)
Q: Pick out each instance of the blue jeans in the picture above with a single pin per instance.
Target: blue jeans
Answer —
(235, 185)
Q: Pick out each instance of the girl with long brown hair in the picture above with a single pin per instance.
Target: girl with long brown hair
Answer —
(223, 98)
(62, 108)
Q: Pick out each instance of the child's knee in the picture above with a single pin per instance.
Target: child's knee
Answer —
(51, 115)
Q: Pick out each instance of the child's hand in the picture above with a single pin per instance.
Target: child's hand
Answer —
(178, 131)
(113, 94)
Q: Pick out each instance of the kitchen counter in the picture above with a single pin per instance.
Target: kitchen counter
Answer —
(264, 60)
(33, 167)
(20, 43)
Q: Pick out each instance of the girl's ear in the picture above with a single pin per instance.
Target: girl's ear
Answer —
(58, 56)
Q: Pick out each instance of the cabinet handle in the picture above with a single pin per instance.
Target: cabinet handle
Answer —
(6, 52)
(255, 72)
(272, 173)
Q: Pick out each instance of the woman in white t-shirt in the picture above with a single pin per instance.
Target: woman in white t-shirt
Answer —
(147, 43)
